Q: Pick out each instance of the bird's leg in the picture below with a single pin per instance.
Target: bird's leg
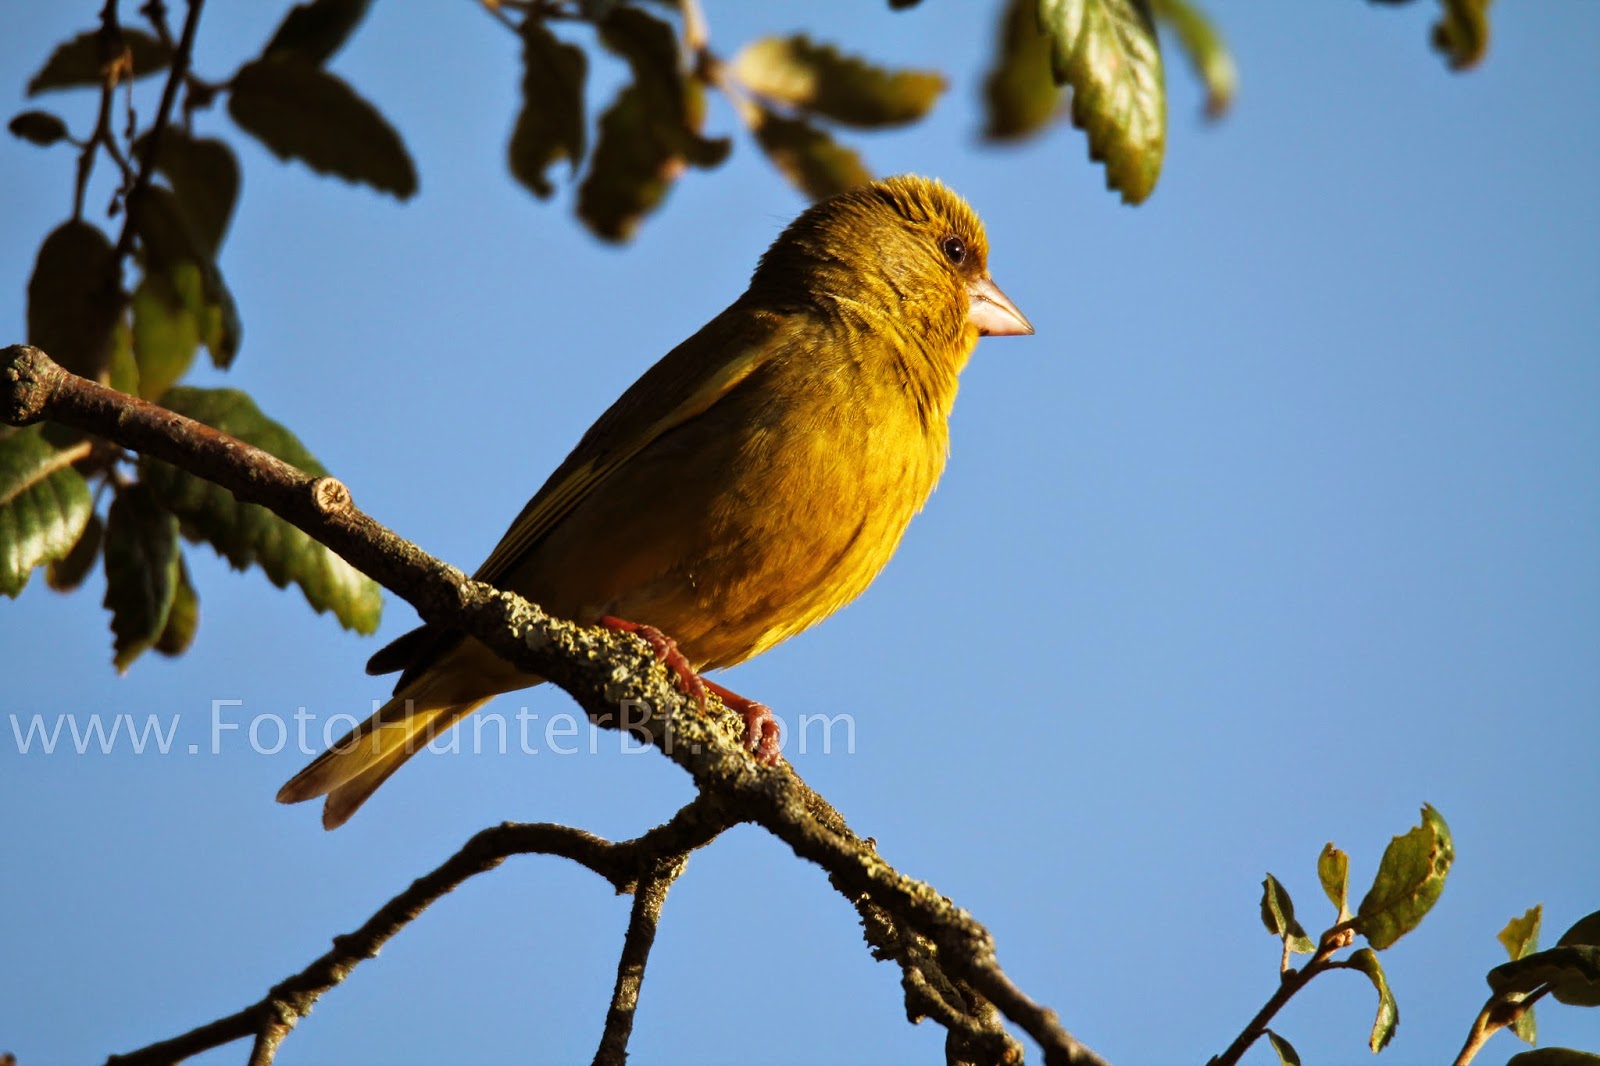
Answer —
(666, 650)
(760, 727)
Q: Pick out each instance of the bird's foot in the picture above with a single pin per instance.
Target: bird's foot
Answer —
(666, 650)
(760, 727)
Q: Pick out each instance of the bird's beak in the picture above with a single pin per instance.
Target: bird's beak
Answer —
(993, 312)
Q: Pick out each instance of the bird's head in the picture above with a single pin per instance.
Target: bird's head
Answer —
(906, 249)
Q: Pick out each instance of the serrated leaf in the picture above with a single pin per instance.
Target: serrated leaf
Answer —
(166, 333)
(1462, 32)
(1410, 878)
(1388, 1019)
(1277, 914)
(79, 61)
(1108, 52)
(1333, 870)
(246, 533)
(38, 127)
(67, 573)
(1020, 96)
(141, 552)
(1207, 51)
(1572, 972)
(300, 111)
(314, 31)
(550, 124)
(813, 162)
(204, 175)
(817, 78)
(1521, 935)
(183, 620)
(173, 247)
(74, 298)
(1287, 1055)
(44, 506)
(649, 134)
(1554, 1056)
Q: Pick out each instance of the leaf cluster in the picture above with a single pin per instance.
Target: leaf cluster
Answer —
(176, 196)
(1409, 881)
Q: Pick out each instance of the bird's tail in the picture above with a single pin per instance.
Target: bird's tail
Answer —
(351, 770)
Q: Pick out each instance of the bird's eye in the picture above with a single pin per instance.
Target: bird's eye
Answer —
(955, 249)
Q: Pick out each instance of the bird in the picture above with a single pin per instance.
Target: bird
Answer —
(748, 485)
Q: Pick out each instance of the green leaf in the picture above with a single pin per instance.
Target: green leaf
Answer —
(550, 124)
(816, 78)
(1107, 51)
(141, 571)
(314, 31)
(1287, 1055)
(173, 247)
(44, 506)
(1020, 95)
(1521, 935)
(1333, 870)
(1526, 1026)
(166, 332)
(1554, 1056)
(813, 162)
(246, 533)
(1572, 971)
(1207, 51)
(1388, 1019)
(300, 111)
(1277, 914)
(204, 175)
(1462, 32)
(123, 373)
(38, 127)
(183, 620)
(1408, 883)
(649, 134)
(79, 61)
(74, 298)
(68, 572)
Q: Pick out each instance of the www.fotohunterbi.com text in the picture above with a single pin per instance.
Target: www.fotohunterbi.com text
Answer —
(225, 726)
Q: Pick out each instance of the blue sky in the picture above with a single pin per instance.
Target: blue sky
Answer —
(1286, 522)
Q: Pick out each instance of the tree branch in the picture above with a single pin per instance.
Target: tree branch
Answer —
(641, 936)
(605, 672)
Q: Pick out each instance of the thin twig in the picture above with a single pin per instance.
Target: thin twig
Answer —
(629, 866)
(181, 58)
(641, 936)
(1290, 981)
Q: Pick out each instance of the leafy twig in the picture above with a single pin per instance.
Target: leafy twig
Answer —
(152, 146)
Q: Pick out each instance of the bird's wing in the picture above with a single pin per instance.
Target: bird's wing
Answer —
(684, 384)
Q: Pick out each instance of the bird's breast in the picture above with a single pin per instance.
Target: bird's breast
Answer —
(759, 517)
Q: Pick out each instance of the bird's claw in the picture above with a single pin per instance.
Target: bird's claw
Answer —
(666, 650)
(761, 736)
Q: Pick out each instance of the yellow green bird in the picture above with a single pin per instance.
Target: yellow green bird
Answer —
(748, 485)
